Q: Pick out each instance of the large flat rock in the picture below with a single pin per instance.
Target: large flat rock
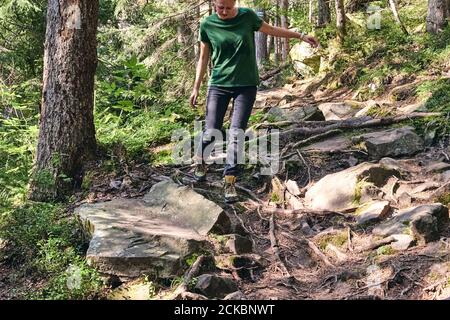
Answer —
(154, 235)
(391, 143)
(344, 189)
(424, 222)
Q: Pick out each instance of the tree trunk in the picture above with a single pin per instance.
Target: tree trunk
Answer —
(277, 42)
(270, 45)
(197, 45)
(437, 12)
(261, 42)
(67, 133)
(355, 5)
(323, 14)
(340, 20)
(397, 17)
(311, 11)
(284, 24)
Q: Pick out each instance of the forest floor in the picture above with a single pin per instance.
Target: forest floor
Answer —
(300, 252)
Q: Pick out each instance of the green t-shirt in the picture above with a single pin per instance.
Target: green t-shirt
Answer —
(232, 43)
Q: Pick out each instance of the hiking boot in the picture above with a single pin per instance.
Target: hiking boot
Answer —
(200, 172)
(230, 193)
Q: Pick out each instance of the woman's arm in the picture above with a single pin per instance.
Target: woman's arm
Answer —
(200, 72)
(286, 33)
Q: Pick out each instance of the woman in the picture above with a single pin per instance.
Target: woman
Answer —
(228, 35)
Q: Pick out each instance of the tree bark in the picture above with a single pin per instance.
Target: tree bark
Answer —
(261, 42)
(355, 5)
(277, 40)
(67, 132)
(397, 17)
(284, 24)
(311, 11)
(323, 13)
(436, 18)
(340, 20)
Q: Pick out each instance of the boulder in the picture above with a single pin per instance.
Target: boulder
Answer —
(238, 295)
(291, 114)
(154, 235)
(213, 286)
(238, 244)
(372, 211)
(344, 189)
(424, 223)
(390, 143)
(402, 242)
(337, 110)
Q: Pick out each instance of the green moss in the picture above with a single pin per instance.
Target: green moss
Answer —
(339, 240)
(444, 199)
(385, 250)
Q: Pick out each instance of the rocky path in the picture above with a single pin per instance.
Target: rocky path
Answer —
(357, 211)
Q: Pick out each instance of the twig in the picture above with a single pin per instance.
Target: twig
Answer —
(433, 286)
(349, 238)
(306, 165)
(182, 292)
(319, 253)
(376, 244)
(275, 246)
(309, 140)
(302, 211)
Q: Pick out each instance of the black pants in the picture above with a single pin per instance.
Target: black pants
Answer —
(217, 101)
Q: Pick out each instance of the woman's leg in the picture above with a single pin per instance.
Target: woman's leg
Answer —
(244, 99)
(217, 102)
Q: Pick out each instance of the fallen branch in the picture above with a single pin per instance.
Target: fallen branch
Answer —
(273, 72)
(274, 245)
(280, 211)
(309, 140)
(306, 165)
(319, 253)
(182, 291)
(357, 123)
(376, 244)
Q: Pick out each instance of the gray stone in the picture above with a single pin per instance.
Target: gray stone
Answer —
(343, 189)
(404, 200)
(393, 142)
(445, 176)
(213, 286)
(372, 211)
(424, 222)
(238, 244)
(337, 110)
(238, 295)
(291, 114)
(425, 228)
(130, 237)
(292, 187)
(437, 167)
(402, 242)
(333, 144)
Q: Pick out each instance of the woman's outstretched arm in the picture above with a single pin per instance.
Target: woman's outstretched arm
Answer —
(286, 33)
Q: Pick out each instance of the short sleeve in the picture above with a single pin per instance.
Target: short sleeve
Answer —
(256, 20)
(202, 35)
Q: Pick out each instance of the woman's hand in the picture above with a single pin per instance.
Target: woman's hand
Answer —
(311, 40)
(193, 98)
